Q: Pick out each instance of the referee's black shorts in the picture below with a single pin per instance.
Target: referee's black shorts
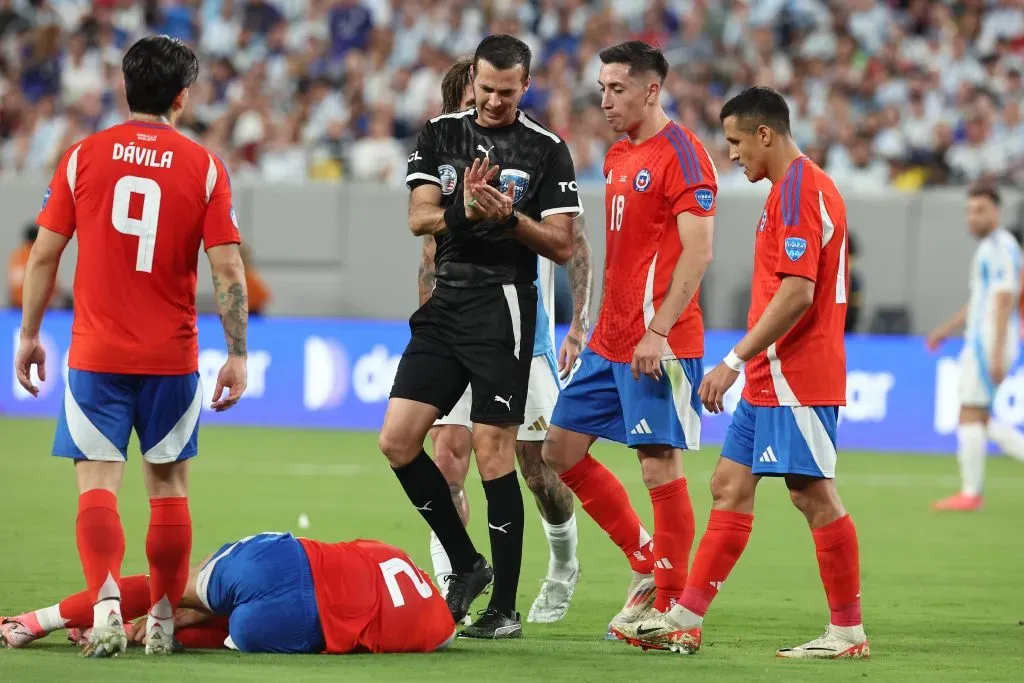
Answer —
(481, 336)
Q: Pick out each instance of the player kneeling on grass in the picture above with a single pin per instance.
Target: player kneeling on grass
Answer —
(276, 593)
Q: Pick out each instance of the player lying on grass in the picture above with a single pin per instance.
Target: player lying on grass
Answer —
(276, 593)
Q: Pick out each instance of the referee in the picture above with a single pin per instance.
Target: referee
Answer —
(495, 189)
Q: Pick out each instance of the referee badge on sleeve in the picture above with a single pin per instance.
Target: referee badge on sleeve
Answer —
(449, 178)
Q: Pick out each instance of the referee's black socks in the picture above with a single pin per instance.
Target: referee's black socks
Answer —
(429, 493)
(505, 522)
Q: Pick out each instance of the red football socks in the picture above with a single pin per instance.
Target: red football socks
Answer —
(168, 546)
(673, 538)
(209, 635)
(605, 499)
(100, 543)
(839, 562)
(719, 551)
(76, 609)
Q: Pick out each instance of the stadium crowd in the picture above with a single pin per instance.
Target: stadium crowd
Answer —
(902, 92)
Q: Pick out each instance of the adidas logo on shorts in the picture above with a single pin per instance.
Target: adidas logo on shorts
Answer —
(539, 425)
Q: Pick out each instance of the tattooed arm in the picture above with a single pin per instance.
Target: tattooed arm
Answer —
(233, 309)
(581, 281)
(426, 279)
(232, 296)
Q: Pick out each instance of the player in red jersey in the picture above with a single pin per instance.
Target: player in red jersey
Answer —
(273, 592)
(141, 199)
(636, 381)
(795, 359)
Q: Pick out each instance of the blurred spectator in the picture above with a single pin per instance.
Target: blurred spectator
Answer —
(259, 292)
(379, 157)
(16, 265)
(855, 297)
(863, 170)
(904, 93)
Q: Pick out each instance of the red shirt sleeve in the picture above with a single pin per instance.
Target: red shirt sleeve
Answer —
(220, 226)
(690, 183)
(801, 225)
(58, 210)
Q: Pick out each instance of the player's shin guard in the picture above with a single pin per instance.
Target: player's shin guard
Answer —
(605, 499)
(673, 538)
(505, 522)
(76, 610)
(839, 563)
(168, 546)
(100, 539)
(719, 551)
(430, 495)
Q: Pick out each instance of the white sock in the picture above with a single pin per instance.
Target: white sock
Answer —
(970, 453)
(161, 615)
(49, 618)
(439, 558)
(108, 600)
(562, 540)
(684, 618)
(1009, 440)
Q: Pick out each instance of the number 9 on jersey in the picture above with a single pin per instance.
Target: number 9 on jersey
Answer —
(145, 227)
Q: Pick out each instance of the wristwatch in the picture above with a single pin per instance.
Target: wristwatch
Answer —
(512, 220)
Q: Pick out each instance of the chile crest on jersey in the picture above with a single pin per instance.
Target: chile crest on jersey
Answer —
(642, 181)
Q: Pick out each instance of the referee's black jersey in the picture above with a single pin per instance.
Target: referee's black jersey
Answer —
(533, 158)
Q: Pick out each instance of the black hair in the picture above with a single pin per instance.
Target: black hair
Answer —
(156, 69)
(986, 190)
(758, 106)
(639, 56)
(30, 233)
(503, 51)
(454, 84)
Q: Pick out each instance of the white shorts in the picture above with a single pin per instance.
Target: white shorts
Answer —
(540, 401)
(977, 389)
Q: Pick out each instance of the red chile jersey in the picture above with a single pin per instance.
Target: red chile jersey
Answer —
(646, 187)
(141, 199)
(802, 233)
(373, 598)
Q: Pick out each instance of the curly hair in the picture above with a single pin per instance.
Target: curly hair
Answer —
(454, 85)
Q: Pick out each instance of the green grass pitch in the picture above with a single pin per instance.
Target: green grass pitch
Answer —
(943, 594)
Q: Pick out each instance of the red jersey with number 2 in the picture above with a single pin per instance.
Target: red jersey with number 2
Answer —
(141, 199)
(373, 598)
(802, 233)
(646, 187)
